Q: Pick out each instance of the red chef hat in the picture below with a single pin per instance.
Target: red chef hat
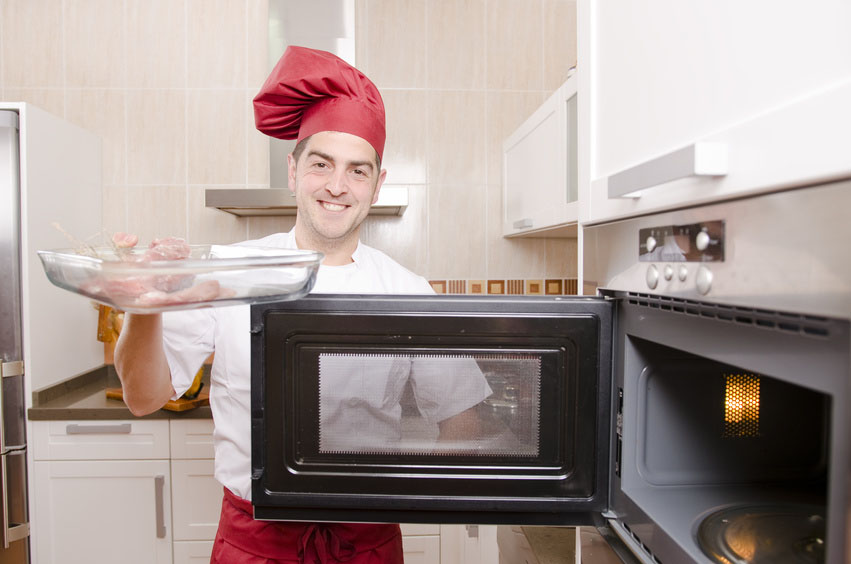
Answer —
(310, 91)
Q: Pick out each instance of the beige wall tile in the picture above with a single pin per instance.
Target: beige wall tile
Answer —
(31, 44)
(94, 43)
(562, 258)
(559, 47)
(514, 45)
(396, 43)
(156, 43)
(506, 111)
(510, 258)
(156, 211)
(457, 149)
(404, 238)
(103, 112)
(457, 230)
(261, 226)
(456, 44)
(256, 147)
(156, 137)
(114, 208)
(216, 43)
(51, 100)
(407, 127)
(216, 136)
(209, 225)
(257, 36)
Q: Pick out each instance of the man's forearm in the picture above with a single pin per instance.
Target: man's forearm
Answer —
(141, 364)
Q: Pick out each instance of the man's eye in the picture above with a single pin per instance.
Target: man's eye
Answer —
(359, 172)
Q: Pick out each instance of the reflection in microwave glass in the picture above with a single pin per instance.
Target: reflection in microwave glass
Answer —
(484, 404)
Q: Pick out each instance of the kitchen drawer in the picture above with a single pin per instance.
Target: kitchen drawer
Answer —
(192, 438)
(421, 549)
(419, 529)
(100, 440)
(196, 500)
(193, 552)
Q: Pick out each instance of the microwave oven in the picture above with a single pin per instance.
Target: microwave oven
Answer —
(695, 424)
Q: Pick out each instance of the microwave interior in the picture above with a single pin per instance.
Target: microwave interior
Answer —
(432, 409)
(725, 449)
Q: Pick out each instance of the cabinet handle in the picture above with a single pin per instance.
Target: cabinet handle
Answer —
(159, 500)
(117, 429)
(524, 223)
(699, 159)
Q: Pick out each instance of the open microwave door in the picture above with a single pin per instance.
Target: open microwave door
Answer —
(432, 409)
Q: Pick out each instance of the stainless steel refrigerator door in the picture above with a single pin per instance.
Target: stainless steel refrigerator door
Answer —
(14, 528)
(10, 274)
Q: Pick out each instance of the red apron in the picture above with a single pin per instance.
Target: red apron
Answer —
(243, 540)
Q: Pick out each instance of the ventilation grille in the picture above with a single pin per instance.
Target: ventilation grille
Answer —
(810, 326)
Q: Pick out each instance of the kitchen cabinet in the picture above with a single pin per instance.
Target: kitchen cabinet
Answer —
(540, 183)
(196, 495)
(682, 103)
(102, 492)
(143, 491)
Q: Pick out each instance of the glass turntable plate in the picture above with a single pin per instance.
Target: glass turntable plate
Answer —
(211, 275)
(764, 534)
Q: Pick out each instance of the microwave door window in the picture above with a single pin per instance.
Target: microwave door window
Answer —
(429, 405)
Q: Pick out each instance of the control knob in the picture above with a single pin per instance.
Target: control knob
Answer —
(652, 277)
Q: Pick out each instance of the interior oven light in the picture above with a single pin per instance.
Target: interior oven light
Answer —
(741, 405)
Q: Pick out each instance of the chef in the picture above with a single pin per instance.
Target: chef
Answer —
(336, 114)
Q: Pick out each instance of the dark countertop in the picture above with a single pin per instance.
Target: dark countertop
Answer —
(83, 397)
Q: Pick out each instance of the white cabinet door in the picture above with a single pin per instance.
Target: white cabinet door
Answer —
(764, 79)
(103, 512)
(193, 552)
(196, 500)
(468, 544)
(539, 169)
(423, 549)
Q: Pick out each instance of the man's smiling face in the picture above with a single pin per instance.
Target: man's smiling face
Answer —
(335, 181)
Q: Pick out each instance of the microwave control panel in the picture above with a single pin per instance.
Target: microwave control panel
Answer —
(694, 242)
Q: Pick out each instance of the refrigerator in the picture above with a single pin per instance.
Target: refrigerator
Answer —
(49, 174)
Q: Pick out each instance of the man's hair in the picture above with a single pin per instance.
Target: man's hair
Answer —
(299, 149)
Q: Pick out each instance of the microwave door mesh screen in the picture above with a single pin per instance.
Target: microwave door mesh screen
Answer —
(430, 404)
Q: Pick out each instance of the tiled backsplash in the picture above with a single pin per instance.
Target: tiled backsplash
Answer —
(528, 287)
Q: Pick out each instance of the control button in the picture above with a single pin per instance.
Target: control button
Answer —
(668, 272)
(704, 280)
(682, 273)
(650, 243)
(702, 241)
(652, 277)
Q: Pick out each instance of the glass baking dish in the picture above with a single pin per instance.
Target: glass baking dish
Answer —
(211, 275)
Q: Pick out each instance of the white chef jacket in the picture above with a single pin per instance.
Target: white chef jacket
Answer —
(189, 337)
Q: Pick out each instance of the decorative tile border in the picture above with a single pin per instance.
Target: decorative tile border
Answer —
(529, 287)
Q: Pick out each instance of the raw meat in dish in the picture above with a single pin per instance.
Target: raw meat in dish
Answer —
(158, 289)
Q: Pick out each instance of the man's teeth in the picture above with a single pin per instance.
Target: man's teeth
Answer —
(333, 207)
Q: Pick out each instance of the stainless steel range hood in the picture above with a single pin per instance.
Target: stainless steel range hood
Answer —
(280, 201)
(320, 24)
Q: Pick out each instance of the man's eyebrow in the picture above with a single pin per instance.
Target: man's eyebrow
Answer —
(329, 158)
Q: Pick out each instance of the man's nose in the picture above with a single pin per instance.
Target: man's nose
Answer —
(337, 183)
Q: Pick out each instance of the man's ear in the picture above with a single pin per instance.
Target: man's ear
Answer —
(378, 185)
(291, 172)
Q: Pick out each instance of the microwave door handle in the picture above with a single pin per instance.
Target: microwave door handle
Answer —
(19, 530)
(697, 159)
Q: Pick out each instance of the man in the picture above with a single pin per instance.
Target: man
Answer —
(337, 116)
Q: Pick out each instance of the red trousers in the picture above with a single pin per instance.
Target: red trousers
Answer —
(243, 540)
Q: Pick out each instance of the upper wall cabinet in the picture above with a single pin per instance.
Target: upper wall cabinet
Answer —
(540, 182)
(691, 102)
